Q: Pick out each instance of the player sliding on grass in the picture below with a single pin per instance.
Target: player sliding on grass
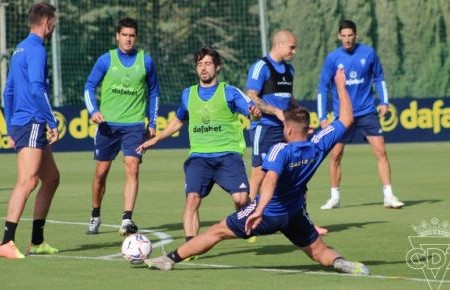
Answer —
(280, 206)
(28, 113)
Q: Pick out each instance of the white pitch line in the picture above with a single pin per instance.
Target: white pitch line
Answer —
(166, 239)
(273, 270)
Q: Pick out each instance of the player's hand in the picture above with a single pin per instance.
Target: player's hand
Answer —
(151, 132)
(12, 143)
(382, 110)
(53, 135)
(255, 113)
(97, 118)
(324, 123)
(252, 222)
(144, 146)
(340, 79)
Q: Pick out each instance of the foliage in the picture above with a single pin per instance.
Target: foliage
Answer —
(410, 38)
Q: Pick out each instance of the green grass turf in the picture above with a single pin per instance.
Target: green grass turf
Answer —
(361, 229)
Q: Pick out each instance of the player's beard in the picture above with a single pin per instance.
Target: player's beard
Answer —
(207, 80)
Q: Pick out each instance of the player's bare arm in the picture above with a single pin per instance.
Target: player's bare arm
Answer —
(345, 105)
(174, 126)
(263, 106)
(267, 189)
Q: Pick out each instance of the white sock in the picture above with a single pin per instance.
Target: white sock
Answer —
(387, 191)
(335, 193)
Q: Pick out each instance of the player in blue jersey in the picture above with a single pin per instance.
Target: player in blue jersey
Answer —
(363, 69)
(280, 206)
(129, 94)
(270, 86)
(215, 136)
(28, 113)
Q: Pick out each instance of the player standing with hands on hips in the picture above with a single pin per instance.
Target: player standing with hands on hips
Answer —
(280, 205)
(129, 93)
(28, 112)
(363, 69)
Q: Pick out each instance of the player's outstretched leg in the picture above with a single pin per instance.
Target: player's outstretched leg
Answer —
(350, 267)
(161, 263)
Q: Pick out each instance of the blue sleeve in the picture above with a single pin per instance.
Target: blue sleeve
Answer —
(237, 100)
(93, 81)
(257, 75)
(276, 159)
(153, 91)
(325, 82)
(378, 79)
(37, 66)
(326, 138)
(8, 99)
(182, 111)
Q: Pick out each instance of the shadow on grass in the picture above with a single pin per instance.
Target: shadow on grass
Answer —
(314, 267)
(179, 226)
(94, 246)
(342, 227)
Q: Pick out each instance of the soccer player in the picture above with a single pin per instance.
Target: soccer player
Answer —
(280, 206)
(129, 93)
(28, 112)
(216, 138)
(363, 69)
(270, 86)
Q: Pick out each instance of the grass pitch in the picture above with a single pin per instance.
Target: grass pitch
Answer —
(361, 229)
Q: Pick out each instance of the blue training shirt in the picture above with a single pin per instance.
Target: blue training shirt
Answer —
(237, 102)
(295, 164)
(27, 85)
(258, 73)
(362, 69)
(127, 59)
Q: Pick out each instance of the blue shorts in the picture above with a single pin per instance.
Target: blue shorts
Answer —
(296, 226)
(109, 140)
(367, 125)
(262, 137)
(32, 135)
(228, 171)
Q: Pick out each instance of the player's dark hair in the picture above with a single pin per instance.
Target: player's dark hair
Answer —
(39, 11)
(127, 22)
(299, 115)
(207, 50)
(343, 24)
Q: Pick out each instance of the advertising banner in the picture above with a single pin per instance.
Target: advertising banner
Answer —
(408, 120)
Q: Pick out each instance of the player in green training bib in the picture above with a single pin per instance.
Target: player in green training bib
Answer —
(216, 138)
(129, 94)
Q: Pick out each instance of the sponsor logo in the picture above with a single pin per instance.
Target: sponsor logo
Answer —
(124, 92)
(206, 129)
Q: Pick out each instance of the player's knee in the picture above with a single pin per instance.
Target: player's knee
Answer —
(193, 200)
(28, 184)
(240, 199)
